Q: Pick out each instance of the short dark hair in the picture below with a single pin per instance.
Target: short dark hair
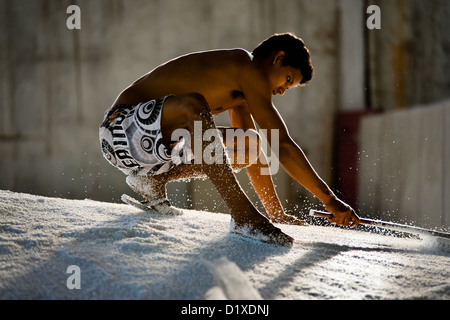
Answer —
(297, 54)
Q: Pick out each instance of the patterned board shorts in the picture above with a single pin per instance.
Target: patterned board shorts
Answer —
(132, 141)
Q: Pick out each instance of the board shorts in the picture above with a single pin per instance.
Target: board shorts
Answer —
(132, 140)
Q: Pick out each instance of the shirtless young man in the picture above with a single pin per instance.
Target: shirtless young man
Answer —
(137, 130)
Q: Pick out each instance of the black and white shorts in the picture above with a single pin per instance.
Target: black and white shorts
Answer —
(132, 140)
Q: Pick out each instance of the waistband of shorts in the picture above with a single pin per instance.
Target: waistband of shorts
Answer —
(122, 107)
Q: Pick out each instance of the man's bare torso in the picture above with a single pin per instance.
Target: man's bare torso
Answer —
(215, 74)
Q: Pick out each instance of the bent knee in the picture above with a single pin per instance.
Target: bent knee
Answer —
(180, 111)
(194, 98)
(191, 103)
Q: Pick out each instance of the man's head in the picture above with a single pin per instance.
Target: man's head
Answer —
(290, 51)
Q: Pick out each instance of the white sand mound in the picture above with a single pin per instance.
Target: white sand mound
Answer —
(125, 253)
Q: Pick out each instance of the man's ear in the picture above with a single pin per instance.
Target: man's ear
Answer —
(279, 56)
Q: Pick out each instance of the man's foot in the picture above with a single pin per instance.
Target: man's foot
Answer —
(166, 208)
(163, 207)
(265, 232)
(154, 193)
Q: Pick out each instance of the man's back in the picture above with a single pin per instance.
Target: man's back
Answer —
(215, 74)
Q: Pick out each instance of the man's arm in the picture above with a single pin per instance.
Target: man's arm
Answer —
(294, 160)
(263, 184)
(297, 166)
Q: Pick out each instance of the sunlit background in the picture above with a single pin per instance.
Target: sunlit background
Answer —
(374, 121)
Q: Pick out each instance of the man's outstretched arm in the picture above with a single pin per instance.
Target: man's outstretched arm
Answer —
(294, 160)
(262, 183)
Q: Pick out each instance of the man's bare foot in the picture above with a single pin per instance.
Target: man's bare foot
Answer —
(264, 232)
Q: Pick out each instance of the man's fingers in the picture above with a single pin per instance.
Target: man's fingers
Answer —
(331, 219)
(347, 219)
(336, 220)
(355, 219)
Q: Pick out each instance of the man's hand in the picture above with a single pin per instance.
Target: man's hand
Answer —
(343, 214)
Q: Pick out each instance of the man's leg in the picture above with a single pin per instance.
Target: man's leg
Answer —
(242, 149)
(180, 112)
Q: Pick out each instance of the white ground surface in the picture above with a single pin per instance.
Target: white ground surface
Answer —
(126, 253)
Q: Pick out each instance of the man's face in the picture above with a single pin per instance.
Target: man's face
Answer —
(283, 77)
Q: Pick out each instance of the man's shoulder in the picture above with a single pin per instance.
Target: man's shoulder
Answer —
(234, 62)
(241, 54)
(237, 56)
(219, 59)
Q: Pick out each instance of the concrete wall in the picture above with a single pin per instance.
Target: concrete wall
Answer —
(56, 83)
(404, 165)
(408, 58)
(403, 168)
